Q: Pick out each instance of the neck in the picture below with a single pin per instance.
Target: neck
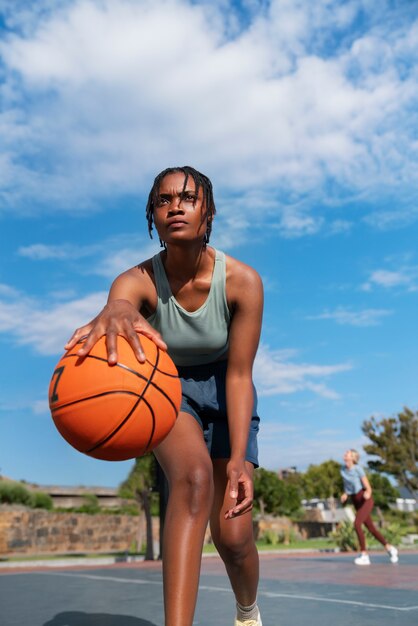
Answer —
(349, 464)
(184, 262)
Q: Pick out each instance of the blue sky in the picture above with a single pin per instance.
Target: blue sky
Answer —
(303, 114)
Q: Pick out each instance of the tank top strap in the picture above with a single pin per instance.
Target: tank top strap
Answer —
(161, 281)
(219, 276)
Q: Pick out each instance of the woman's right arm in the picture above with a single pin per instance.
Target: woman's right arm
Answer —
(367, 494)
(120, 316)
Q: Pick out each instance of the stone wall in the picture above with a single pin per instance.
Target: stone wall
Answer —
(34, 531)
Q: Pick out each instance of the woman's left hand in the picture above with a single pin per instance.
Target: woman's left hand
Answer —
(367, 495)
(240, 486)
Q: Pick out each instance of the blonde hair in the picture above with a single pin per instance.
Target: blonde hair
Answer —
(355, 456)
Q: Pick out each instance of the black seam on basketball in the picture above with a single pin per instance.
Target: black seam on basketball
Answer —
(100, 358)
(141, 397)
(97, 395)
(141, 376)
(113, 433)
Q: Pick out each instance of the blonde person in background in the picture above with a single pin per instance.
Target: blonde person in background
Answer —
(357, 488)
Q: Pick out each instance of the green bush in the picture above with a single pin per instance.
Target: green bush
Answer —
(90, 504)
(345, 537)
(270, 537)
(14, 493)
(288, 536)
(273, 538)
(393, 533)
(41, 500)
(125, 509)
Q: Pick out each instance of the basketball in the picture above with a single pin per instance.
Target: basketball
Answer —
(115, 412)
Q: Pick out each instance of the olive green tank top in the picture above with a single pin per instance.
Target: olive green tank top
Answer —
(197, 337)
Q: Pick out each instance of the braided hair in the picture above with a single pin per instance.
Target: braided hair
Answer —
(200, 181)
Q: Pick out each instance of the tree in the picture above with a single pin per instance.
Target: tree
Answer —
(138, 485)
(394, 441)
(384, 493)
(273, 495)
(323, 481)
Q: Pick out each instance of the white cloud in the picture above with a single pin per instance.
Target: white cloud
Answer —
(45, 327)
(42, 252)
(397, 218)
(296, 224)
(340, 226)
(106, 93)
(405, 277)
(108, 258)
(8, 291)
(120, 260)
(275, 373)
(366, 317)
(288, 449)
(40, 407)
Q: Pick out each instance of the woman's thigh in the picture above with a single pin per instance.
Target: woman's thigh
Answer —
(183, 452)
(364, 511)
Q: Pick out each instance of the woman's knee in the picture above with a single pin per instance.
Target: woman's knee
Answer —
(358, 523)
(195, 486)
(234, 545)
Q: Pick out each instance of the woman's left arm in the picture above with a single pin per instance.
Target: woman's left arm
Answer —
(245, 297)
(367, 488)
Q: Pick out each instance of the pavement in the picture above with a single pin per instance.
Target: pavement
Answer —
(295, 589)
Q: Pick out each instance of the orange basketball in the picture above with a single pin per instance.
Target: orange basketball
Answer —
(115, 412)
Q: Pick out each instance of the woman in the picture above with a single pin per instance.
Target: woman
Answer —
(357, 486)
(206, 309)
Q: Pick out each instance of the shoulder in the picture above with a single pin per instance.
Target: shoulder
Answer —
(136, 282)
(138, 273)
(242, 276)
(359, 470)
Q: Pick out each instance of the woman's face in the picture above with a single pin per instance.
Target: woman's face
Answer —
(179, 214)
(348, 457)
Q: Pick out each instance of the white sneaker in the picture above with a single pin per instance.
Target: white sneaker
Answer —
(363, 559)
(249, 622)
(393, 554)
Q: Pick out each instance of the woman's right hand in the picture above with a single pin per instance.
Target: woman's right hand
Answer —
(344, 498)
(118, 317)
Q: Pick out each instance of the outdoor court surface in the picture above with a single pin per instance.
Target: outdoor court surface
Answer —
(318, 589)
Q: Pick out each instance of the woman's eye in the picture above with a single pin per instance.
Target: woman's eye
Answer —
(190, 198)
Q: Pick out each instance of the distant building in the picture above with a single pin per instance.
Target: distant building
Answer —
(72, 497)
(328, 510)
(65, 497)
(407, 502)
(287, 471)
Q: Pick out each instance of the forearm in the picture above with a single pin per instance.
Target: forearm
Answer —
(367, 488)
(239, 400)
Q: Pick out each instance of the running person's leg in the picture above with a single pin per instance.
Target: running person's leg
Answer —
(234, 539)
(364, 508)
(186, 463)
(363, 517)
(368, 522)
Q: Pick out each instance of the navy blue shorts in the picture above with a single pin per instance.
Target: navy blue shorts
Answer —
(204, 397)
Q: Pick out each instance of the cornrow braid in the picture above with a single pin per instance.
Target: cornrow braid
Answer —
(200, 181)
